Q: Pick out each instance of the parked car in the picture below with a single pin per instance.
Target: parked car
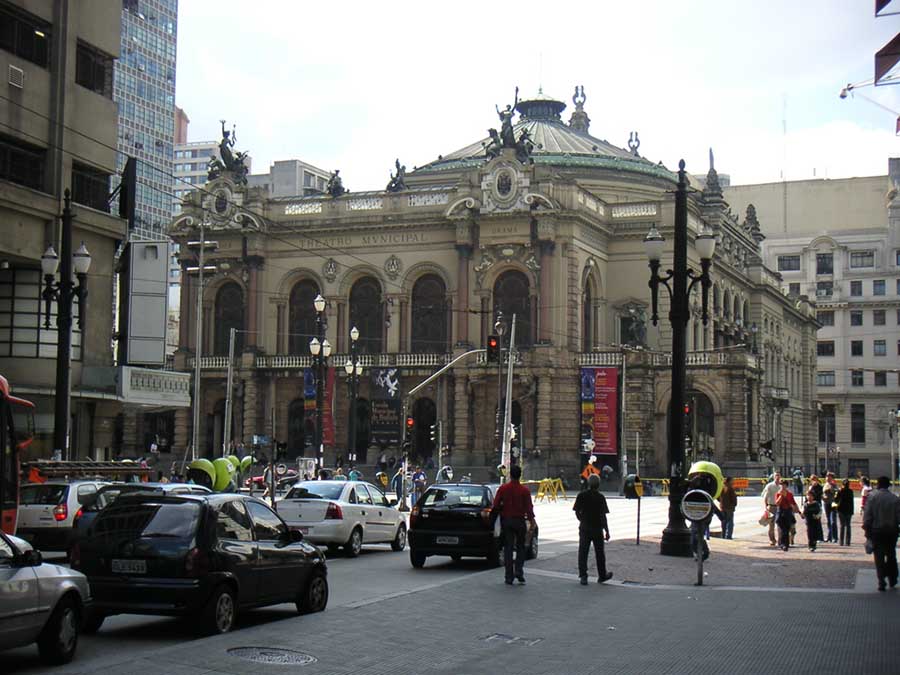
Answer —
(344, 513)
(454, 519)
(39, 602)
(259, 482)
(107, 494)
(206, 556)
(47, 511)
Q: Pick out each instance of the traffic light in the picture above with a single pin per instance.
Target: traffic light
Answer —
(493, 349)
(687, 408)
(410, 423)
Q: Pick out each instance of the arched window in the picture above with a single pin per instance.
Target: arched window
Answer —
(429, 315)
(302, 316)
(715, 300)
(366, 313)
(587, 319)
(229, 314)
(511, 296)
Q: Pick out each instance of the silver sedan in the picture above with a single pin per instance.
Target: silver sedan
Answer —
(39, 602)
(343, 513)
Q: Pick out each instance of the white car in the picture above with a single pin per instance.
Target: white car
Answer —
(343, 513)
(47, 511)
(39, 602)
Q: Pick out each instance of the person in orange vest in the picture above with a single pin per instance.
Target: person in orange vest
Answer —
(590, 470)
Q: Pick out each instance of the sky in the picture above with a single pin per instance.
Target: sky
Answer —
(355, 85)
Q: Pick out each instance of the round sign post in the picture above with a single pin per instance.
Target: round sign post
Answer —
(696, 505)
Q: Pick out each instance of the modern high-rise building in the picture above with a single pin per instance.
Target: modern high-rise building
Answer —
(144, 89)
(838, 242)
(291, 178)
(191, 168)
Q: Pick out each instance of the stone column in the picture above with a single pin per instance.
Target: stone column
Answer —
(543, 413)
(343, 331)
(182, 432)
(545, 298)
(186, 314)
(404, 327)
(250, 409)
(252, 321)
(461, 431)
(464, 255)
(129, 431)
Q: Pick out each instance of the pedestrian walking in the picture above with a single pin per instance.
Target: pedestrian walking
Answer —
(397, 484)
(784, 515)
(420, 480)
(812, 516)
(844, 502)
(591, 509)
(354, 473)
(829, 494)
(768, 496)
(512, 504)
(728, 504)
(881, 522)
(864, 493)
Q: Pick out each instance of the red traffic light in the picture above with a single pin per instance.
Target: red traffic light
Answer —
(492, 342)
(410, 423)
(687, 408)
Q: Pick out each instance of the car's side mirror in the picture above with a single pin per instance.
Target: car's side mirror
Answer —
(393, 502)
(294, 536)
(29, 558)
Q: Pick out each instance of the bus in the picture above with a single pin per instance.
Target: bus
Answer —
(16, 434)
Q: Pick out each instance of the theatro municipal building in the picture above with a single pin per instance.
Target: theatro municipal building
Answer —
(542, 222)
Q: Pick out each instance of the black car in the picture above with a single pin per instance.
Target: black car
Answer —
(204, 556)
(107, 494)
(454, 519)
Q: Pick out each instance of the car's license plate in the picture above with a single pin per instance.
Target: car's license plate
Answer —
(129, 566)
(446, 540)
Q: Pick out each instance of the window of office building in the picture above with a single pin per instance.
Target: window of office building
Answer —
(788, 263)
(22, 163)
(90, 186)
(856, 348)
(857, 423)
(857, 467)
(825, 378)
(825, 348)
(24, 35)
(878, 317)
(897, 260)
(94, 69)
(825, 317)
(856, 317)
(880, 348)
(824, 263)
(824, 288)
(862, 258)
(856, 378)
(898, 286)
(22, 315)
(880, 378)
(856, 288)
(827, 424)
(878, 287)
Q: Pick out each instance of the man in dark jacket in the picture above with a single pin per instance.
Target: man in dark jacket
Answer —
(881, 522)
(591, 509)
(512, 504)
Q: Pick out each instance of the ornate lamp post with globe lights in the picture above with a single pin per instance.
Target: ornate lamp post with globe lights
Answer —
(354, 369)
(320, 349)
(676, 537)
(63, 292)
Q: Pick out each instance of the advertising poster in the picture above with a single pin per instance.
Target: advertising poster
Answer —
(599, 408)
(386, 406)
(309, 402)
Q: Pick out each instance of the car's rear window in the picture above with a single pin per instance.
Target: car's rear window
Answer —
(151, 518)
(49, 495)
(449, 495)
(315, 490)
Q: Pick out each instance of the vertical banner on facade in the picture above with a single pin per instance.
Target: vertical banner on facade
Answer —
(386, 422)
(309, 402)
(600, 409)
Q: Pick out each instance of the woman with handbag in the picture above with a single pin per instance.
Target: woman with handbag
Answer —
(786, 507)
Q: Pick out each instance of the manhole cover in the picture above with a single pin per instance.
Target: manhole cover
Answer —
(272, 655)
(511, 639)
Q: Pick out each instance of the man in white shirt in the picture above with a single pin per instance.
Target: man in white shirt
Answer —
(768, 495)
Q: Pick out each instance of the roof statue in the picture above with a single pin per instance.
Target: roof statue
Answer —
(712, 181)
(579, 120)
(335, 186)
(398, 181)
(751, 224)
(634, 143)
(524, 147)
(232, 162)
(493, 147)
(507, 136)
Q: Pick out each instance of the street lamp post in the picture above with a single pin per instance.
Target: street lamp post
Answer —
(500, 329)
(64, 291)
(676, 537)
(320, 349)
(354, 369)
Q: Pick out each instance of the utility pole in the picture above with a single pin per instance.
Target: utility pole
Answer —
(195, 431)
(507, 414)
(226, 436)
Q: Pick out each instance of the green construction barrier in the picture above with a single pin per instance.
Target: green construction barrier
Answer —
(224, 470)
(246, 463)
(202, 472)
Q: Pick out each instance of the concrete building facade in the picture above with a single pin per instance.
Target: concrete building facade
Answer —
(838, 241)
(291, 178)
(545, 222)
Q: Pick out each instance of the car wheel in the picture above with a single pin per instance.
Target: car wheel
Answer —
(354, 543)
(417, 559)
(59, 638)
(315, 597)
(493, 557)
(333, 548)
(532, 551)
(456, 557)
(399, 542)
(220, 611)
(92, 622)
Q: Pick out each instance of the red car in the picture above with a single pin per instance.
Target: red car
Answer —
(259, 482)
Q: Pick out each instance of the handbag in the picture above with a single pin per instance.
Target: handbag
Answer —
(870, 547)
(764, 518)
